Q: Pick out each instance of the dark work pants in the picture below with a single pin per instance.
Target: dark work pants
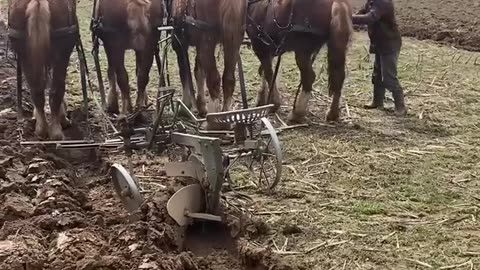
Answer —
(385, 76)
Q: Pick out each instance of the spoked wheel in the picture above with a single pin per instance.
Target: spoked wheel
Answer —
(264, 163)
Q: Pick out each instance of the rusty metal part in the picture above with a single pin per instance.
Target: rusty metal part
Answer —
(187, 204)
(204, 164)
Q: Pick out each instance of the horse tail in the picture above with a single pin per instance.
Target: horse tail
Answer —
(38, 36)
(341, 30)
(138, 12)
(232, 18)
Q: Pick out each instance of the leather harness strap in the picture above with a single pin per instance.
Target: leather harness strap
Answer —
(57, 33)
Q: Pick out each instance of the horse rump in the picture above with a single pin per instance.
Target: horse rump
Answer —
(38, 36)
(138, 12)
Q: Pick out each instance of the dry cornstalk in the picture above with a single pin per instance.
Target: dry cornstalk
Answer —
(347, 109)
(308, 183)
(375, 249)
(291, 168)
(470, 253)
(337, 243)
(419, 263)
(287, 252)
(275, 245)
(305, 191)
(315, 155)
(339, 157)
(266, 213)
(284, 247)
(387, 236)
(315, 247)
(455, 265)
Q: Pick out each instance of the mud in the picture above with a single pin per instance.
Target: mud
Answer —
(60, 211)
(449, 22)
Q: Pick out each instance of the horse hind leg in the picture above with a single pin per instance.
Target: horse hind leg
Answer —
(112, 98)
(116, 63)
(37, 84)
(179, 46)
(336, 78)
(208, 62)
(37, 87)
(64, 121)
(122, 80)
(304, 63)
(145, 61)
(57, 108)
(340, 33)
(200, 81)
(34, 59)
(231, 50)
(266, 73)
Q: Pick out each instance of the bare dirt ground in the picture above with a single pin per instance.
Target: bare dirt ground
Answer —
(372, 192)
(450, 22)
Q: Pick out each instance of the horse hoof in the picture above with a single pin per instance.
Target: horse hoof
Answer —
(142, 118)
(296, 119)
(202, 114)
(260, 102)
(275, 108)
(202, 109)
(42, 133)
(66, 123)
(57, 136)
(332, 116)
(112, 109)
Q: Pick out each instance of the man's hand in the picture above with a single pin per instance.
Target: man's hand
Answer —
(374, 14)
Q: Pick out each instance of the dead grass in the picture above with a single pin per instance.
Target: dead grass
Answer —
(379, 192)
(395, 193)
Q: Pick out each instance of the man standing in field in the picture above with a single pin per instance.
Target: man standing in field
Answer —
(385, 43)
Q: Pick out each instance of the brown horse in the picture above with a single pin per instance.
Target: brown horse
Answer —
(277, 26)
(122, 25)
(204, 24)
(43, 34)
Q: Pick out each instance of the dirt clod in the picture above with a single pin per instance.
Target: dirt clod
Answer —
(290, 229)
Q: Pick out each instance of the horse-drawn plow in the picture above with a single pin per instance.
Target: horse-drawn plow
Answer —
(214, 150)
(208, 157)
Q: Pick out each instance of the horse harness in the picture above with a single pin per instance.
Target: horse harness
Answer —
(62, 32)
(290, 27)
(188, 19)
(98, 27)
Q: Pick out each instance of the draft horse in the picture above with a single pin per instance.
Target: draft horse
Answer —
(203, 24)
(278, 26)
(123, 25)
(43, 34)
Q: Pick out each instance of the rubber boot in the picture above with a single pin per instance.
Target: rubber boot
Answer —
(378, 97)
(399, 100)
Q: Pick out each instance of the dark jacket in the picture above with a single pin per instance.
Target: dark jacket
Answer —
(379, 15)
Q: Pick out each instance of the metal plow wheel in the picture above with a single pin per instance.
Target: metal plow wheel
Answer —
(256, 146)
(126, 188)
(265, 163)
